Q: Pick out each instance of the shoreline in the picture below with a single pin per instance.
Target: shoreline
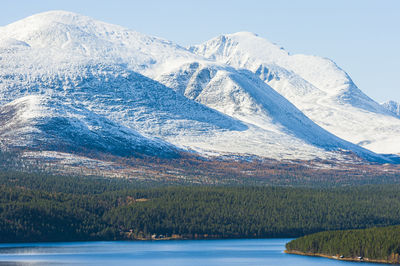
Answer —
(139, 239)
(295, 252)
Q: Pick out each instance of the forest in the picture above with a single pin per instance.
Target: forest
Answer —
(40, 207)
(380, 244)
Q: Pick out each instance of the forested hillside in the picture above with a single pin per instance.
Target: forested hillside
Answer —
(36, 207)
(367, 244)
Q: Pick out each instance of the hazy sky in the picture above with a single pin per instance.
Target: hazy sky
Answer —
(362, 37)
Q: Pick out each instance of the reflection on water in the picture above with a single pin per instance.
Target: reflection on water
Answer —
(190, 252)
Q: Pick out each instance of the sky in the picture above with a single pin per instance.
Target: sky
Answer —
(361, 36)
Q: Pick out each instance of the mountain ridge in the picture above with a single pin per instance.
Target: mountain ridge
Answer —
(157, 90)
(315, 85)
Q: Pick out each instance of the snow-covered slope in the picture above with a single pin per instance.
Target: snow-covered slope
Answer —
(315, 85)
(392, 106)
(102, 82)
(242, 95)
(43, 123)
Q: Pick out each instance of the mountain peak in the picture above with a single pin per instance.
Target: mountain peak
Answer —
(63, 38)
(55, 16)
(240, 44)
(58, 19)
(244, 34)
(393, 107)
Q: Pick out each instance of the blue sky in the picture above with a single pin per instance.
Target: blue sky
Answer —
(362, 37)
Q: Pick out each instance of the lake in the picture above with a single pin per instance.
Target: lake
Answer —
(183, 252)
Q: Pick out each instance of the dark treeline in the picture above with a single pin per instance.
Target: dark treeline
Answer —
(37, 207)
(373, 243)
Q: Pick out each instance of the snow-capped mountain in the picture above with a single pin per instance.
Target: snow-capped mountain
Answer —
(392, 106)
(69, 81)
(315, 85)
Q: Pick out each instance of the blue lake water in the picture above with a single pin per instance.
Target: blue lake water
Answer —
(185, 252)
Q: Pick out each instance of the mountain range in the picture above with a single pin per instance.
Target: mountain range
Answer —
(69, 83)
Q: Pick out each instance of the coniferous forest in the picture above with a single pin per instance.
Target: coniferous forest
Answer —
(40, 207)
(373, 244)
